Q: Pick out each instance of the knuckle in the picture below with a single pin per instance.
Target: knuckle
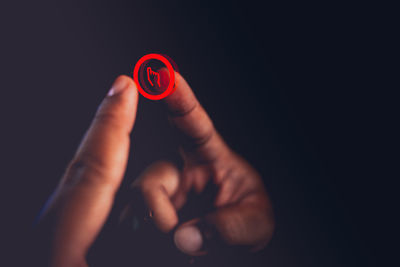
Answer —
(155, 176)
(183, 109)
(203, 137)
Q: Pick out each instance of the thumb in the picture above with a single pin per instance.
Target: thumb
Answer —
(244, 224)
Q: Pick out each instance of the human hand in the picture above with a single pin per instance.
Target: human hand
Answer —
(85, 195)
(243, 214)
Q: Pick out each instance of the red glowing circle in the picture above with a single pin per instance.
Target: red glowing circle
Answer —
(171, 84)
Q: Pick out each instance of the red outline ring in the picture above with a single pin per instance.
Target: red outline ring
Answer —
(171, 84)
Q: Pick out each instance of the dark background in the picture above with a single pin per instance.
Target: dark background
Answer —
(279, 82)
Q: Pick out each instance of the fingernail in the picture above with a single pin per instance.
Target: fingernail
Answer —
(118, 86)
(188, 239)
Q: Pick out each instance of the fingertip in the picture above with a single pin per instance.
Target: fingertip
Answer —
(118, 108)
(188, 239)
(166, 221)
(121, 83)
(160, 172)
(126, 78)
(182, 100)
(131, 87)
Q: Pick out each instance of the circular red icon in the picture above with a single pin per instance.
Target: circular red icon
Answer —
(150, 73)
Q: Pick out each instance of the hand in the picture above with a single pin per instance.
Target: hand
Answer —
(85, 195)
(243, 214)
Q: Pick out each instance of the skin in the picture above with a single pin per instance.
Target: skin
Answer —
(85, 194)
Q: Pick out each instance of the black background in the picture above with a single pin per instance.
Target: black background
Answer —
(277, 80)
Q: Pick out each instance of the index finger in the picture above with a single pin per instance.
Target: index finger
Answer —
(86, 193)
(199, 136)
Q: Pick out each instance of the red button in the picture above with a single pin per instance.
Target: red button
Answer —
(152, 83)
